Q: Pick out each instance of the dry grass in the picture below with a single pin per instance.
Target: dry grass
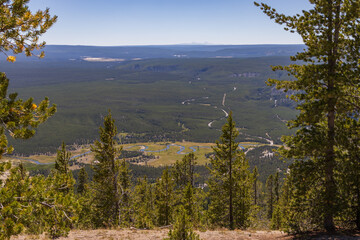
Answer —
(129, 234)
(160, 234)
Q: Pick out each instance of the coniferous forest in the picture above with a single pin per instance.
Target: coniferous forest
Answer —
(320, 191)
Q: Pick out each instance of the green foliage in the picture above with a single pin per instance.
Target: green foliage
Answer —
(270, 196)
(83, 181)
(165, 198)
(125, 193)
(255, 185)
(276, 218)
(230, 181)
(184, 171)
(349, 175)
(37, 204)
(182, 229)
(20, 32)
(21, 29)
(62, 160)
(19, 118)
(144, 204)
(80, 89)
(111, 185)
(326, 90)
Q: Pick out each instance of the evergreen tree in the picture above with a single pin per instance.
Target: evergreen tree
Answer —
(230, 181)
(125, 196)
(270, 196)
(281, 218)
(276, 187)
(36, 204)
(20, 31)
(164, 202)
(326, 89)
(110, 185)
(144, 204)
(349, 174)
(184, 171)
(188, 196)
(276, 217)
(62, 160)
(183, 229)
(19, 118)
(255, 183)
(83, 181)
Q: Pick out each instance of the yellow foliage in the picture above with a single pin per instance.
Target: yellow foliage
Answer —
(11, 59)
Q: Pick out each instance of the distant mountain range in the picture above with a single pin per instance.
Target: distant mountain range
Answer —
(124, 53)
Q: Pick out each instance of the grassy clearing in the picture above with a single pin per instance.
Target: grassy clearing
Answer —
(163, 158)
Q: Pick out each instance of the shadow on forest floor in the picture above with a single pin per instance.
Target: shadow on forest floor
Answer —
(327, 236)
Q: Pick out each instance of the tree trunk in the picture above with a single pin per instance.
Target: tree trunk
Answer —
(255, 192)
(357, 221)
(231, 186)
(330, 187)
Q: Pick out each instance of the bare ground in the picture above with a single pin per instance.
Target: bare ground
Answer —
(129, 234)
(160, 234)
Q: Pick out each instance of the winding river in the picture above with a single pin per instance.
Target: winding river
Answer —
(143, 149)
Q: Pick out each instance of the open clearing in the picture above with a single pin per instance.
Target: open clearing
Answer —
(166, 153)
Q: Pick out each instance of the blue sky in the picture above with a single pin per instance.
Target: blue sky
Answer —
(159, 22)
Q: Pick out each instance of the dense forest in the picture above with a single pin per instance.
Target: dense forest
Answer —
(319, 191)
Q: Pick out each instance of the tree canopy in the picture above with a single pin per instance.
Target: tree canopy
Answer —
(326, 88)
(20, 28)
(19, 32)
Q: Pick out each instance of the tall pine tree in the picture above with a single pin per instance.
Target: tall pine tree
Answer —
(230, 181)
(111, 178)
(326, 89)
(165, 198)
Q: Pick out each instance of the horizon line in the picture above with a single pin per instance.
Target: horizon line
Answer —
(181, 44)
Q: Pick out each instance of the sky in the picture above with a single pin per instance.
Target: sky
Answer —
(165, 22)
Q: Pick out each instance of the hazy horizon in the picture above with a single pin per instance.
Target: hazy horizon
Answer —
(163, 22)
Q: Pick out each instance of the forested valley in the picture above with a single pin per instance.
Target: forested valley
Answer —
(290, 162)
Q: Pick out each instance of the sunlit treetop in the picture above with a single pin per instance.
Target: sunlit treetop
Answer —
(20, 28)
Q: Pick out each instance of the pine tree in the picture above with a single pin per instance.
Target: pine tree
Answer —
(125, 195)
(36, 205)
(108, 192)
(230, 181)
(326, 89)
(144, 204)
(270, 196)
(281, 217)
(83, 181)
(20, 31)
(190, 197)
(276, 187)
(255, 182)
(183, 229)
(62, 160)
(164, 202)
(184, 171)
(349, 172)
(276, 217)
